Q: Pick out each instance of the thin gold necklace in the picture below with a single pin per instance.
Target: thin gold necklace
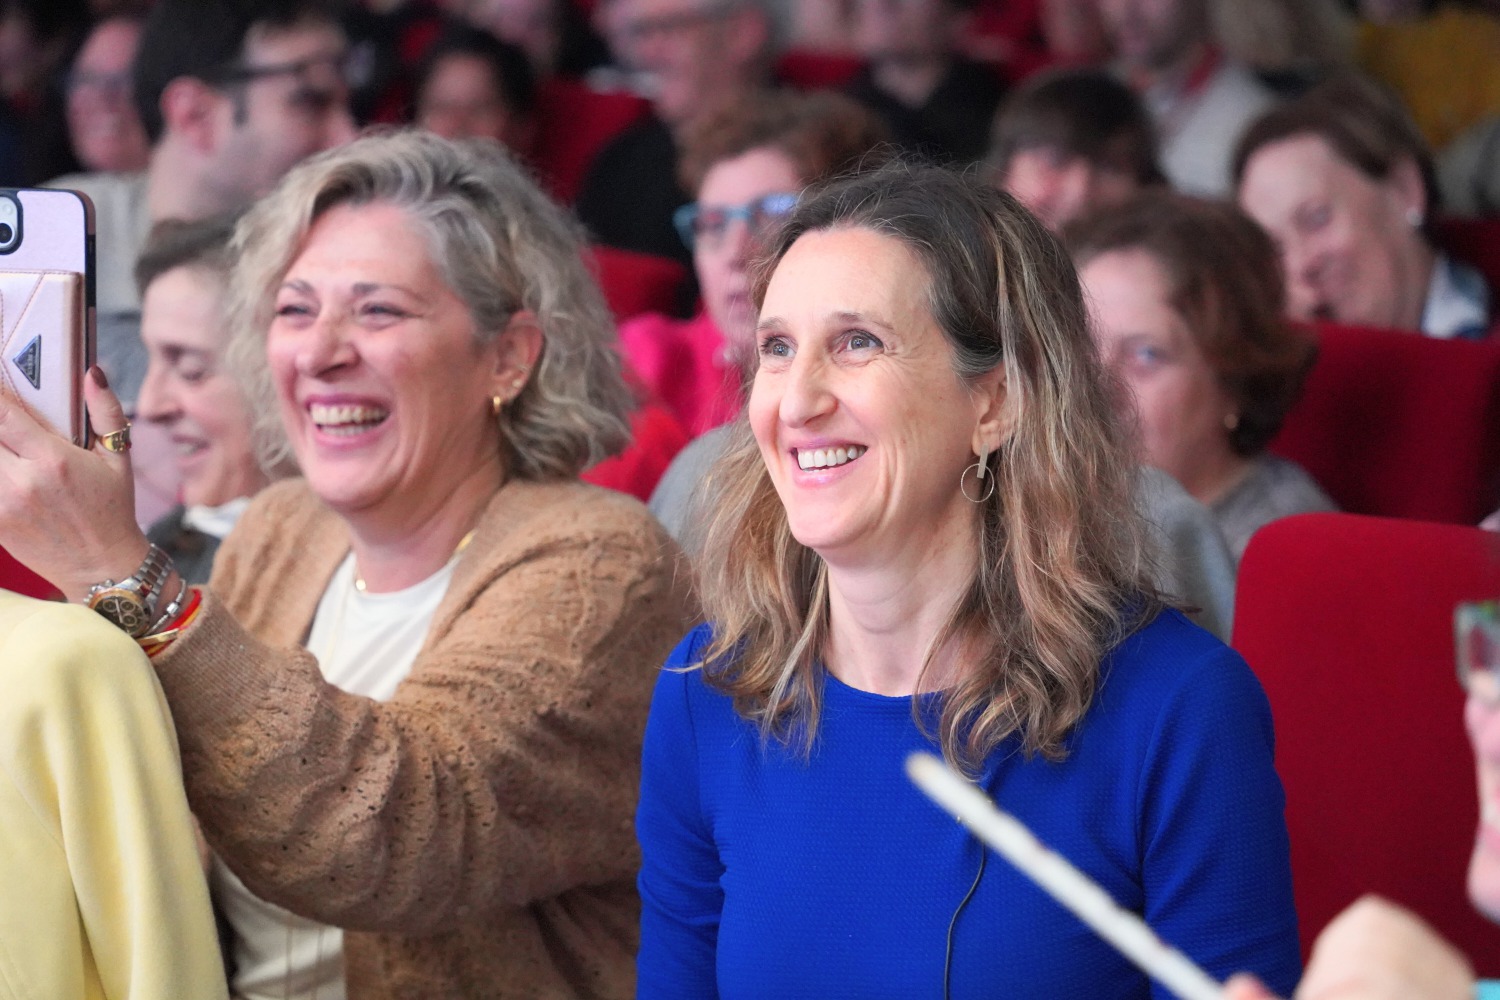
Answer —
(463, 543)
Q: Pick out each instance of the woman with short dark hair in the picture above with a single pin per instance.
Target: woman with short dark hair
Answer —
(1187, 300)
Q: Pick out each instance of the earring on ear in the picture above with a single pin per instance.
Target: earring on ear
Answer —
(980, 467)
(1414, 217)
(497, 403)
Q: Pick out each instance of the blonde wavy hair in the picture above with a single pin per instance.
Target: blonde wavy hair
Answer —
(1061, 573)
(500, 244)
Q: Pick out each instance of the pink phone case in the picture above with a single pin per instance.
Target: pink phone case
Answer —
(46, 309)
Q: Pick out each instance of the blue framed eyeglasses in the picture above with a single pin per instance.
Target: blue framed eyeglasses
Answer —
(706, 225)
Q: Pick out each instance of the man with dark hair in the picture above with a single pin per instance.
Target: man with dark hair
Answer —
(232, 93)
(1200, 100)
(935, 102)
(696, 57)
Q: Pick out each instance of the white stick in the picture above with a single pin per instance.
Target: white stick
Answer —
(1069, 886)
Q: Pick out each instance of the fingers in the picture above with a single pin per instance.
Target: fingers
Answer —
(1246, 987)
(21, 432)
(105, 412)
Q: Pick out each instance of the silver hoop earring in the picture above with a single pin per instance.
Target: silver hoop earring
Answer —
(979, 467)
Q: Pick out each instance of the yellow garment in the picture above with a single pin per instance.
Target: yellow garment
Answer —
(1446, 67)
(102, 894)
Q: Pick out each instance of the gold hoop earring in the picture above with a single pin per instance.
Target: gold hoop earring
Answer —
(980, 468)
(497, 403)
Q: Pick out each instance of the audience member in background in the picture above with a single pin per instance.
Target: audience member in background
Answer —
(696, 57)
(924, 539)
(1200, 100)
(1186, 301)
(474, 86)
(387, 40)
(37, 37)
(103, 125)
(1289, 44)
(748, 163)
(1072, 141)
(1376, 950)
(410, 703)
(1440, 57)
(1343, 182)
(1468, 172)
(554, 34)
(231, 93)
(104, 894)
(184, 277)
(936, 103)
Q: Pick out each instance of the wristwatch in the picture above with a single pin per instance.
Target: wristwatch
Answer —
(131, 604)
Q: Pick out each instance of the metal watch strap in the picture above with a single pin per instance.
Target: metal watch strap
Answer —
(131, 604)
(171, 611)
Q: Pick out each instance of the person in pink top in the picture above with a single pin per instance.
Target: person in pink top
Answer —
(747, 164)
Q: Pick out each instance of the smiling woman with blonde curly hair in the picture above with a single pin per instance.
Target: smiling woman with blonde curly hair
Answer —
(407, 698)
(924, 538)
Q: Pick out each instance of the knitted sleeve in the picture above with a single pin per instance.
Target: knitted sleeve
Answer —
(502, 772)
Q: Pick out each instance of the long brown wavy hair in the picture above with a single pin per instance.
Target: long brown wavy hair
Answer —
(1061, 574)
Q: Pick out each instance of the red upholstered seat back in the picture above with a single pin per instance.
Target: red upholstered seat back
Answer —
(1476, 242)
(1400, 425)
(1348, 622)
(636, 283)
(574, 122)
(807, 69)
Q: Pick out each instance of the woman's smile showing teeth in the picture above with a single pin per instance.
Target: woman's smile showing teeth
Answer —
(345, 418)
(826, 458)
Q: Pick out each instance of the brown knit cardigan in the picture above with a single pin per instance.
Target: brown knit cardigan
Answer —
(474, 832)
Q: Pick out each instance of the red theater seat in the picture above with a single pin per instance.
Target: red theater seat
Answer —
(1476, 242)
(1348, 622)
(1400, 425)
(806, 69)
(575, 122)
(636, 283)
(656, 438)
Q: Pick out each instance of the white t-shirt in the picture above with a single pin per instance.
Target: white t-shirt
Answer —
(365, 644)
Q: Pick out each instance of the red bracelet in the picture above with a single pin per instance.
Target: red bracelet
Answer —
(154, 644)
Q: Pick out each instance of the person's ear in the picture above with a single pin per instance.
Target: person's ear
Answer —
(993, 411)
(1406, 186)
(515, 352)
(190, 109)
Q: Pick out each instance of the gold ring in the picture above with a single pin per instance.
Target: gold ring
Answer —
(117, 441)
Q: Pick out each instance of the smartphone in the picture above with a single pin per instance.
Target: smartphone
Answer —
(47, 304)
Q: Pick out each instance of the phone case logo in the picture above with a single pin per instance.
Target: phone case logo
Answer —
(29, 361)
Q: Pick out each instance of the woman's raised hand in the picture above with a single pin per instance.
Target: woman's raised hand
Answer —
(1374, 950)
(66, 512)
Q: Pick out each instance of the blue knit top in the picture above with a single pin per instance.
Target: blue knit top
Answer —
(769, 874)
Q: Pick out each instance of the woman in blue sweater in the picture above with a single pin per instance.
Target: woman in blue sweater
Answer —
(924, 537)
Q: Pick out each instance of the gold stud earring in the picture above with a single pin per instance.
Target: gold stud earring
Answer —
(497, 403)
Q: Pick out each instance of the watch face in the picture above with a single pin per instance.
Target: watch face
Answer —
(122, 608)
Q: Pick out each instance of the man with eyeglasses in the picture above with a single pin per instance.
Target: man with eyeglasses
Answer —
(694, 58)
(1375, 950)
(232, 93)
